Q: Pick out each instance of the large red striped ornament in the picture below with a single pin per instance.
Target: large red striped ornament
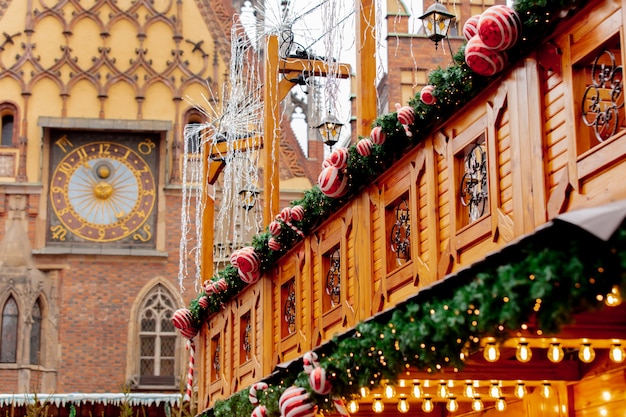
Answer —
(339, 158)
(182, 318)
(482, 60)
(189, 333)
(259, 411)
(427, 96)
(209, 288)
(364, 147)
(273, 244)
(332, 182)
(377, 135)
(250, 277)
(499, 27)
(254, 389)
(470, 28)
(295, 402)
(248, 260)
(318, 381)
(297, 213)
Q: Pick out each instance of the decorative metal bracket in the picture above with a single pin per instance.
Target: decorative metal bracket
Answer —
(400, 237)
(473, 189)
(333, 278)
(603, 98)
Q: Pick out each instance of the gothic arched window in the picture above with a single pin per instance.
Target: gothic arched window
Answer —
(157, 339)
(8, 335)
(35, 334)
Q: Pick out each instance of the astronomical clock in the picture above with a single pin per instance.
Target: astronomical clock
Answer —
(103, 189)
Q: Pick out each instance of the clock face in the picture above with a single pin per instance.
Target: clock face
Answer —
(102, 191)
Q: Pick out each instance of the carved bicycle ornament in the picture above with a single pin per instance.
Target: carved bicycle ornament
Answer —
(603, 98)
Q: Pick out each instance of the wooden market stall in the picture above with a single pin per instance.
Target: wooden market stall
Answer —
(438, 256)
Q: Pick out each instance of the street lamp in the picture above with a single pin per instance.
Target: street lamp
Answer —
(436, 22)
(248, 197)
(329, 130)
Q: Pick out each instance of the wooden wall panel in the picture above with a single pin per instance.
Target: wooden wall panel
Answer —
(555, 128)
(603, 395)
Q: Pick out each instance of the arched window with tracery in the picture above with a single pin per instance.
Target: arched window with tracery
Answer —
(157, 339)
(35, 334)
(8, 335)
(8, 125)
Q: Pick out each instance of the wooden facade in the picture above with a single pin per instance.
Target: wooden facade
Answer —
(533, 158)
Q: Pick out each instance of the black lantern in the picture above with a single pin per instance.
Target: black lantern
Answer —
(436, 22)
(248, 197)
(329, 130)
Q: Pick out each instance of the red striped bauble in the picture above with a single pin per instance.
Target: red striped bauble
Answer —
(188, 333)
(297, 213)
(332, 182)
(259, 411)
(364, 147)
(470, 28)
(250, 277)
(248, 260)
(182, 318)
(209, 288)
(318, 381)
(233, 258)
(295, 402)
(285, 214)
(427, 96)
(377, 135)
(273, 244)
(339, 158)
(406, 115)
(482, 60)
(220, 285)
(274, 228)
(203, 301)
(326, 163)
(499, 27)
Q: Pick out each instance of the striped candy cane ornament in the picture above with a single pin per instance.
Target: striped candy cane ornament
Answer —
(192, 349)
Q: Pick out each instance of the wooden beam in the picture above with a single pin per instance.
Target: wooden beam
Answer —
(366, 107)
(312, 68)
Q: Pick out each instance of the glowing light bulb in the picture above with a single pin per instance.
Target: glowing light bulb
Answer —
(469, 390)
(452, 405)
(616, 353)
(500, 404)
(491, 353)
(416, 391)
(377, 405)
(555, 353)
(546, 390)
(523, 352)
(364, 392)
(494, 391)
(352, 406)
(520, 390)
(403, 405)
(614, 298)
(390, 391)
(477, 404)
(442, 391)
(427, 405)
(586, 353)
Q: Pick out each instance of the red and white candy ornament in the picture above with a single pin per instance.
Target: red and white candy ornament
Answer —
(182, 319)
(427, 95)
(483, 60)
(297, 213)
(364, 147)
(295, 402)
(332, 182)
(310, 361)
(406, 117)
(377, 135)
(339, 158)
(318, 381)
(259, 411)
(470, 28)
(254, 389)
(273, 244)
(499, 27)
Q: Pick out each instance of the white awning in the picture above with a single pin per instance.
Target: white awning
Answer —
(134, 399)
